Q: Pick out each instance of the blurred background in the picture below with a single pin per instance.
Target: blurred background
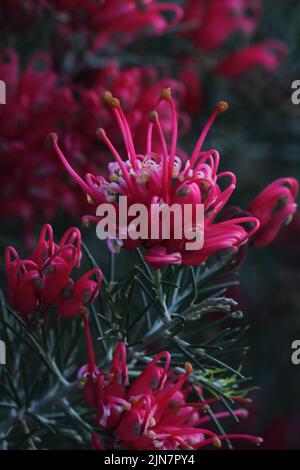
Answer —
(58, 57)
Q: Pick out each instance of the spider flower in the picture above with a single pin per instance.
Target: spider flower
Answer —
(274, 207)
(162, 178)
(155, 411)
(116, 21)
(43, 281)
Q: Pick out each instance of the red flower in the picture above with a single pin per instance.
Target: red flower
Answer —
(159, 178)
(273, 207)
(155, 412)
(43, 280)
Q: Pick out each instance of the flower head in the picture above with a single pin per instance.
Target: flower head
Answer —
(43, 280)
(161, 177)
(34, 185)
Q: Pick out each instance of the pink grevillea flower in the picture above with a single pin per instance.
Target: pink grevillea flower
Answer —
(155, 411)
(267, 55)
(116, 21)
(214, 22)
(43, 281)
(146, 81)
(273, 207)
(162, 178)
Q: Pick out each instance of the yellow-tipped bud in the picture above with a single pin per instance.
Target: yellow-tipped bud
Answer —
(107, 97)
(222, 106)
(115, 103)
(188, 367)
(82, 311)
(85, 223)
(89, 199)
(82, 382)
(100, 133)
(166, 94)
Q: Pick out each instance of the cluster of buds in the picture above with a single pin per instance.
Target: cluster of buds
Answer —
(43, 281)
(155, 411)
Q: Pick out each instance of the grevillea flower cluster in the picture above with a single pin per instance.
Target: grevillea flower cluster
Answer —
(159, 410)
(43, 281)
